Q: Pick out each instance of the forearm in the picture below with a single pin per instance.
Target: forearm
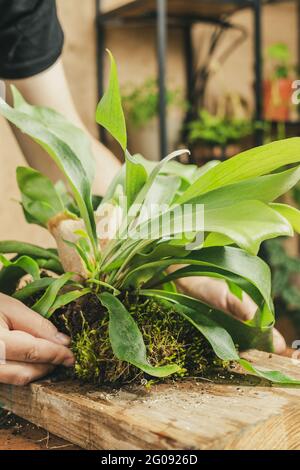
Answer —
(51, 89)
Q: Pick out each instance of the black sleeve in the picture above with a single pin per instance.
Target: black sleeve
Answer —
(31, 38)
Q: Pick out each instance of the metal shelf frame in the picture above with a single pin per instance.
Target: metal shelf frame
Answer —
(162, 18)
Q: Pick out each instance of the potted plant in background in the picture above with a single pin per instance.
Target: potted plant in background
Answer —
(219, 136)
(278, 88)
(141, 110)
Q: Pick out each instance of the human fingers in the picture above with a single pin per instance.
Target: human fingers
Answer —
(23, 347)
(19, 317)
(18, 373)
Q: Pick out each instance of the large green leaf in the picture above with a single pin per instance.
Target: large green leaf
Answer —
(169, 223)
(160, 195)
(236, 261)
(136, 177)
(27, 264)
(44, 304)
(64, 157)
(135, 210)
(83, 250)
(290, 213)
(274, 376)
(33, 288)
(203, 169)
(159, 251)
(50, 265)
(28, 249)
(39, 196)
(64, 130)
(9, 279)
(218, 337)
(263, 188)
(67, 198)
(216, 239)
(109, 111)
(13, 271)
(157, 169)
(119, 181)
(249, 164)
(187, 173)
(155, 251)
(163, 190)
(247, 223)
(162, 187)
(141, 204)
(126, 339)
(67, 298)
(232, 280)
(153, 191)
(232, 260)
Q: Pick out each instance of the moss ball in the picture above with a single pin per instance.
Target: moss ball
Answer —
(169, 339)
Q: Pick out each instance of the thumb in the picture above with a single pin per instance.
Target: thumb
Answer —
(19, 317)
(244, 309)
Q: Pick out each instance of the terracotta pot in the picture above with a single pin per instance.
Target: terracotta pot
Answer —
(145, 140)
(277, 99)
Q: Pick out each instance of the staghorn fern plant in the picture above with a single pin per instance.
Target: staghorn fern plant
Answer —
(119, 265)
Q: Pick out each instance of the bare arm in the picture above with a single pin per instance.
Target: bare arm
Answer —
(216, 292)
(51, 89)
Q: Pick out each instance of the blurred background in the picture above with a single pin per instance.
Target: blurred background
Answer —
(213, 75)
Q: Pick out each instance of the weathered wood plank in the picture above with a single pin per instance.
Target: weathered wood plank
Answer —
(242, 414)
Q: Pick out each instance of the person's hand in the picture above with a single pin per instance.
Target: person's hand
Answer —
(216, 293)
(30, 345)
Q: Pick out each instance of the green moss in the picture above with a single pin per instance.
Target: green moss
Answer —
(168, 337)
(87, 365)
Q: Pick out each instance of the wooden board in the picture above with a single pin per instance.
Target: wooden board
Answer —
(242, 413)
(18, 434)
(32, 439)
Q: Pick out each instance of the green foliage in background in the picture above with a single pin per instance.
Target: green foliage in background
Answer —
(141, 102)
(284, 269)
(216, 130)
(279, 55)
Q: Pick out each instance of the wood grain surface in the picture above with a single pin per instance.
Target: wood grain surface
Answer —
(239, 412)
